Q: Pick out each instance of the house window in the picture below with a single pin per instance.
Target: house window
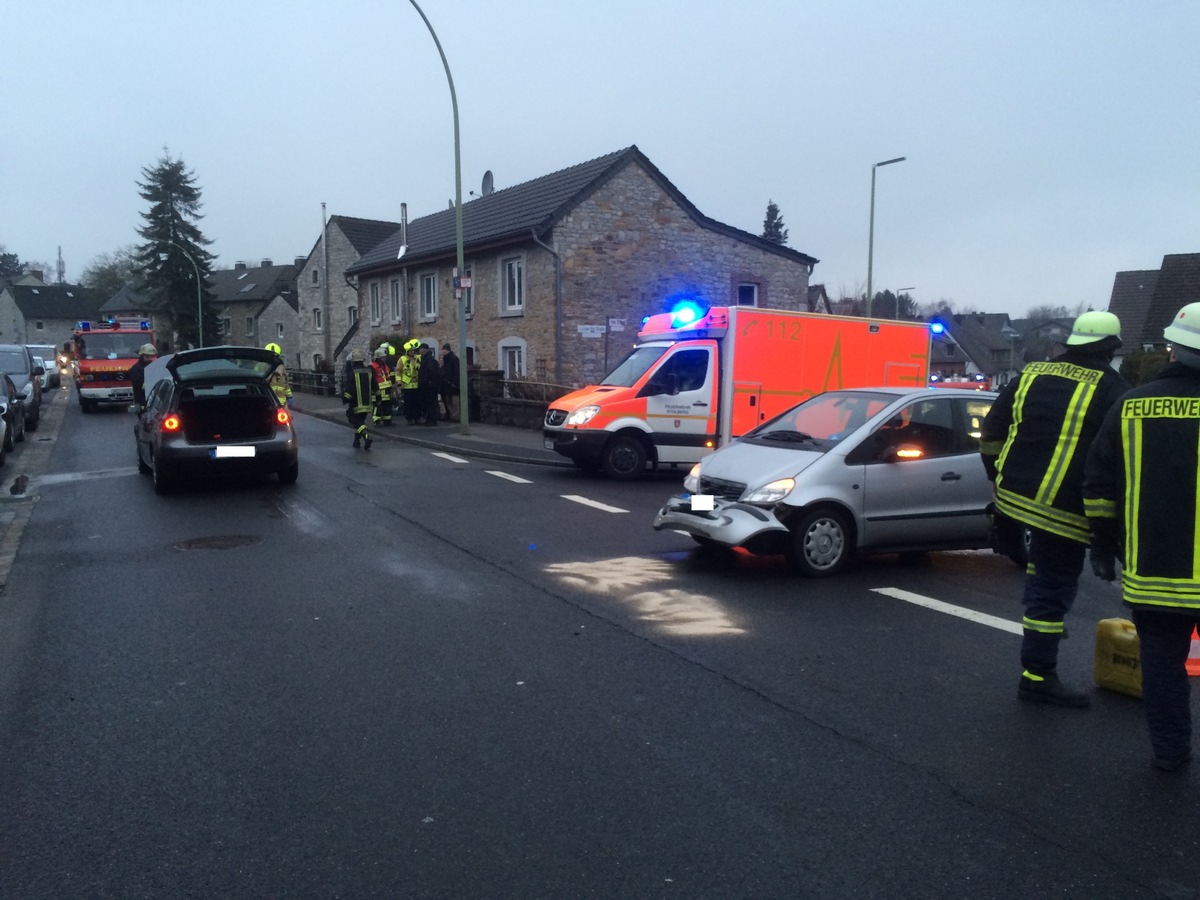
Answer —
(249, 326)
(279, 331)
(225, 324)
(316, 276)
(512, 282)
(317, 320)
(394, 296)
(351, 314)
(512, 357)
(39, 326)
(429, 296)
(747, 294)
(376, 309)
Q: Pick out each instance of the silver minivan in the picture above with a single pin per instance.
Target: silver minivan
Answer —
(873, 470)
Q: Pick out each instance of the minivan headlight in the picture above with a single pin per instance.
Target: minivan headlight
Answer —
(771, 493)
(583, 415)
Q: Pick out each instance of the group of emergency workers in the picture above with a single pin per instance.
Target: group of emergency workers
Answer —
(370, 391)
(1081, 460)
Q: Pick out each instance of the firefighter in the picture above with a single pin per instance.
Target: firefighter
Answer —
(279, 378)
(407, 371)
(1034, 443)
(358, 393)
(137, 374)
(382, 370)
(1140, 494)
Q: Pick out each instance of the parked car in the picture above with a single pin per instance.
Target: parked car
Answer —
(12, 414)
(211, 411)
(49, 361)
(16, 360)
(46, 370)
(878, 470)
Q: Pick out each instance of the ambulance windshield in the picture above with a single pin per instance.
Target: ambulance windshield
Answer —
(633, 366)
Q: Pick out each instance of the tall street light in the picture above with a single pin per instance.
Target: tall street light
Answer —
(463, 401)
(199, 288)
(871, 236)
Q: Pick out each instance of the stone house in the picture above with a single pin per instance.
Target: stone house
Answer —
(328, 306)
(988, 346)
(564, 268)
(1147, 300)
(256, 305)
(32, 312)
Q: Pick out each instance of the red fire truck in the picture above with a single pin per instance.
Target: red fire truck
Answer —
(104, 353)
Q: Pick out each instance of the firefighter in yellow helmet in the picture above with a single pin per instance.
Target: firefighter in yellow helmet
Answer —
(1141, 491)
(1034, 442)
(279, 378)
(381, 368)
(407, 375)
(358, 393)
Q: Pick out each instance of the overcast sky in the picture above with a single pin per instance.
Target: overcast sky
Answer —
(1049, 144)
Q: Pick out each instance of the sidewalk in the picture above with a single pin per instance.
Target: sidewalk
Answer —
(499, 442)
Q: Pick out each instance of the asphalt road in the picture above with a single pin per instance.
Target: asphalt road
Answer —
(417, 674)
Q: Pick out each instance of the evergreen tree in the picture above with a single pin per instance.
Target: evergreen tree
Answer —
(10, 264)
(773, 228)
(174, 254)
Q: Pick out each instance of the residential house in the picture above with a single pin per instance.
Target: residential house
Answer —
(328, 305)
(131, 303)
(32, 312)
(562, 269)
(976, 346)
(258, 305)
(1146, 301)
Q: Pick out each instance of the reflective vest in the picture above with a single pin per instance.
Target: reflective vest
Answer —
(407, 372)
(1142, 485)
(359, 390)
(279, 384)
(1034, 440)
(383, 379)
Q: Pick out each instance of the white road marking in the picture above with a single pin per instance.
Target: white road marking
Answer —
(451, 458)
(951, 610)
(575, 498)
(508, 477)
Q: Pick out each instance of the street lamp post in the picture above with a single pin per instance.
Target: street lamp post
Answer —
(463, 401)
(871, 234)
(199, 289)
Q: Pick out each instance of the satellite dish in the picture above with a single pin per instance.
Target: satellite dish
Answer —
(489, 184)
(403, 249)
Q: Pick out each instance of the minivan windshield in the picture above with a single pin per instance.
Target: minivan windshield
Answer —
(633, 366)
(827, 417)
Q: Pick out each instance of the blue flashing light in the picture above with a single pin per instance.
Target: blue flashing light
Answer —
(685, 312)
(937, 327)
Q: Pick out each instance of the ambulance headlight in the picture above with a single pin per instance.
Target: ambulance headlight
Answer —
(773, 492)
(691, 483)
(583, 415)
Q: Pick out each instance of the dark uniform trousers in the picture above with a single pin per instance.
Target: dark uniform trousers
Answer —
(1166, 640)
(1055, 564)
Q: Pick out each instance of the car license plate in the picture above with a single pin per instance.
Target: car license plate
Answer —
(702, 502)
(232, 452)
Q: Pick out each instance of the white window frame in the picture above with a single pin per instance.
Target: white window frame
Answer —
(351, 315)
(279, 331)
(394, 296)
(376, 307)
(249, 326)
(512, 353)
(512, 297)
(428, 308)
(318, 325)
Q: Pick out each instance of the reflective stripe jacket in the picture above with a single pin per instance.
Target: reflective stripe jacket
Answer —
(383, 379)
(1035, 439)
(406, 372)
(279, 384)
(359, 390)
(1141, 484)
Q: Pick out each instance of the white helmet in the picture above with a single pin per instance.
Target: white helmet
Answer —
(1184, 330)
(147, 350)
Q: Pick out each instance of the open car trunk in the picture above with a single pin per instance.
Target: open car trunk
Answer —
(226, 418)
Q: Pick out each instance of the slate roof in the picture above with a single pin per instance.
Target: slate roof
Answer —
(55, 301)
(535, 206)
(253, 284)
(1178, 284)
(364, 234)
(983, 340)
(129, 299)
(1130, 302)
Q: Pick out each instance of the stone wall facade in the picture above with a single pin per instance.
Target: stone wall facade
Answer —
(318, 339)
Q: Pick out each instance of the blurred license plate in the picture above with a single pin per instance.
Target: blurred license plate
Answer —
(232, 452)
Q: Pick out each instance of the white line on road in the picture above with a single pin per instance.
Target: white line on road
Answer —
(575, 498)
(949, 609)
(505, 475)
(454, 459)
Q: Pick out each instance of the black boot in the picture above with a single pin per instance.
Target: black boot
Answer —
(1048, 689)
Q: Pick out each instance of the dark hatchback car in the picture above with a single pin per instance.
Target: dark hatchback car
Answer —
(12, 416)
(16, 361)
(212, 412)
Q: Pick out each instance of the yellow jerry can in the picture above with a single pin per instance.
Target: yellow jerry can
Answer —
(1118, 662)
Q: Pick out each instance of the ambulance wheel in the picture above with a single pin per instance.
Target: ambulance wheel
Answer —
(821, 543)
(624, 458)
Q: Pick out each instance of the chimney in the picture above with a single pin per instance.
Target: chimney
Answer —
(300, 261)
(238, 266)
(266, 264)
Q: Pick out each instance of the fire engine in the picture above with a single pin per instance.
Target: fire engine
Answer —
(697, 379)
(104, 352)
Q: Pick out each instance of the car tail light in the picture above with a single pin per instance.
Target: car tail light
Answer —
(171, 423)
(282, 416)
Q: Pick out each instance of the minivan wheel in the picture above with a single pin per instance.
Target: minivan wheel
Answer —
(820, 543)
(624, 458)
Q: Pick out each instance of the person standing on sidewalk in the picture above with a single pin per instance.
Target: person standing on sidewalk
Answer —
(382, 370)
(428, 384)
(406, 373)
(1034, 443)
(358, 393)
(449, 383)
(1141, 492)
